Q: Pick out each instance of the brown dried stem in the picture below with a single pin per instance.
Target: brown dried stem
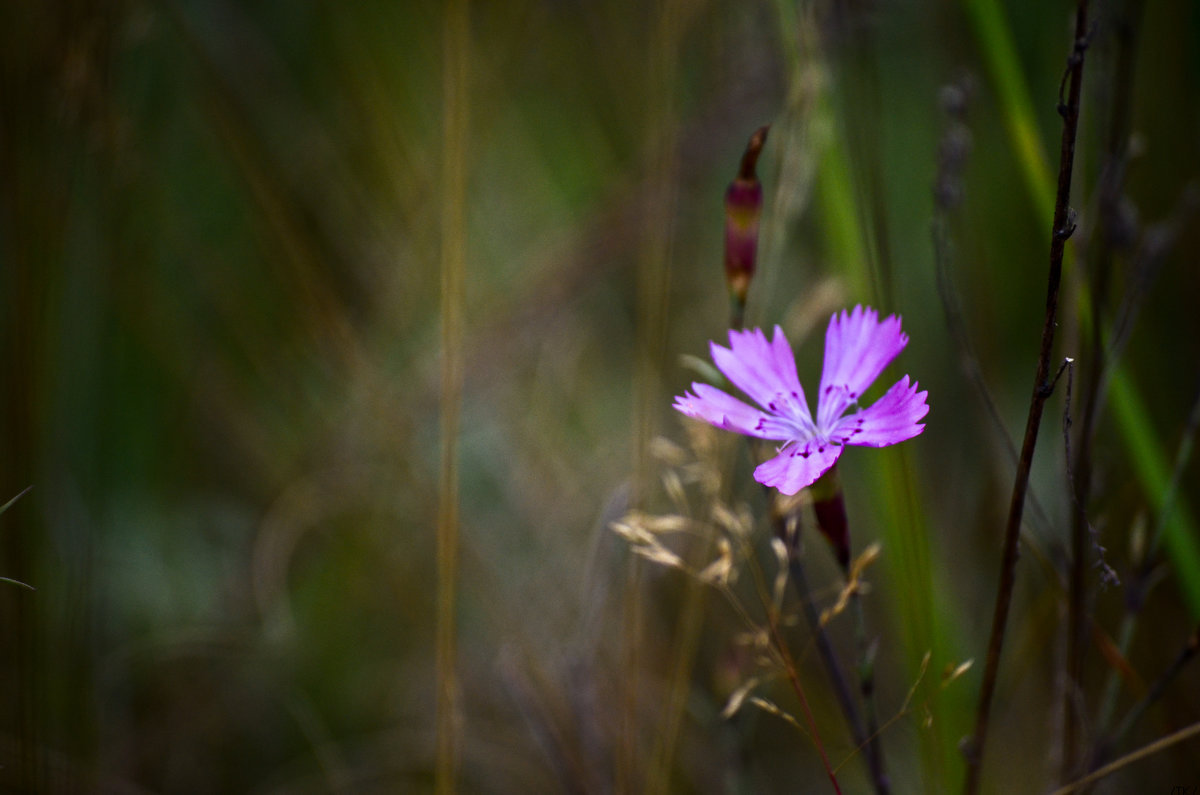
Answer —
(829, 658)
(1062, 228)
(789, 666)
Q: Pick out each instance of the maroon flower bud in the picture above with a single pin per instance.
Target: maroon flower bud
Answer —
(830, 508)
(743, 206)
(831, 521)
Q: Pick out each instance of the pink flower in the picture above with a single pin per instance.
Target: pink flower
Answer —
(857, 348)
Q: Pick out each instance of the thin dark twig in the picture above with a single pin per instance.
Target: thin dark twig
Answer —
(841, 689)
(1108, 575)
(1063, 226)
(787, 531)
(799, 579)
(1077, 621)
(1115, 229)
(969, 360)
(867, 650)
(1186, 654)
(796, 575)
(947, 197)
(1146, 569)
(790, 667)
(1066, 365)
(1159, 745)
(1157, 241)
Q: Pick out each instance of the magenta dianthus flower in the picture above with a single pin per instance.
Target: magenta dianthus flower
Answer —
(857, 347)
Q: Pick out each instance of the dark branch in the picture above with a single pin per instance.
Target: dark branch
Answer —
(1063, 221)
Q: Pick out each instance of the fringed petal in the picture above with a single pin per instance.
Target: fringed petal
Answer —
(798, 466)
(891, 419)
(857, 347)
(765, 371)
(725, 411)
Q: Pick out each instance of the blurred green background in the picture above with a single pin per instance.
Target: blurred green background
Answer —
(221, 233)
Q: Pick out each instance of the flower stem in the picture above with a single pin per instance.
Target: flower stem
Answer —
(866, 683)
(790, 666)
(833, 668)
(1062, 229)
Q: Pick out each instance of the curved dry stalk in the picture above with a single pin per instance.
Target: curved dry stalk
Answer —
(1161, 744)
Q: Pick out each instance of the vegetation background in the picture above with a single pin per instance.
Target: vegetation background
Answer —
(225, 232)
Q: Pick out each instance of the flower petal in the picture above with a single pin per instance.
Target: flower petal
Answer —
(725, 411)
(766, 371)
(785, 367)
(857, 347)
(798, 466)
(893, 418)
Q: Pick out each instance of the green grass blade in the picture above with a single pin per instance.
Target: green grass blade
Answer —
(1154, 474)
(1000, 53)
(9, 504)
